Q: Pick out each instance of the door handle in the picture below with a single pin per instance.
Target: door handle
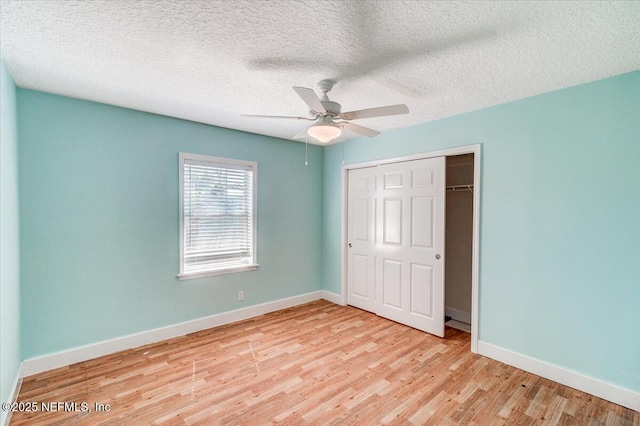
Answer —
(349, 245)
(437, 256)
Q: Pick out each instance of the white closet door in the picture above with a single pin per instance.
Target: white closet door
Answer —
(405, 211)
(410, 224)
(361, 236)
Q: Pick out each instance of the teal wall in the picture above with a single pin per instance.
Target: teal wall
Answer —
(10, 356)
(559, 226)
(99, 222)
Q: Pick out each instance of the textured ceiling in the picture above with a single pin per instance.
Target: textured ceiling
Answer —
(211, 61)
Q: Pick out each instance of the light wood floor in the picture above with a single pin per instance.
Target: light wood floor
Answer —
(314, 364)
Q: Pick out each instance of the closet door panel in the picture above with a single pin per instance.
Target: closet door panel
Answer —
(360, 277)
(392, 284)
(412, 224)
(422, 222)
(421, 290)
(361, 253)
(393, 221)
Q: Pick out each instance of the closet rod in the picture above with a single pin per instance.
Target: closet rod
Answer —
(460, 188)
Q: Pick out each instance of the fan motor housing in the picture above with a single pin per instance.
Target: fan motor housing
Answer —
(333, 108)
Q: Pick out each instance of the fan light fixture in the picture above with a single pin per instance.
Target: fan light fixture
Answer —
(324, 132)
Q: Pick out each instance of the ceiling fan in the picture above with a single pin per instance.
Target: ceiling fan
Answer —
(325, 112)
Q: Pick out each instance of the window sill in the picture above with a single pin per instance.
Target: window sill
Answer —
(220, 271)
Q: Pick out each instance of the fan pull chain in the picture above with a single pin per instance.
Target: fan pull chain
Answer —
(306, 149)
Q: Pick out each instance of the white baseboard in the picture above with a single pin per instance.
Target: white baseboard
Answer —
(333, 297)
(458, 315)
(83, 353)
(5, 417)
(613, 393)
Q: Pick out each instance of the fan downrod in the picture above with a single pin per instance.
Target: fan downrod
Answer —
(326, 85)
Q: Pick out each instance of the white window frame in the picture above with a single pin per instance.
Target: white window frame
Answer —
(221, 268)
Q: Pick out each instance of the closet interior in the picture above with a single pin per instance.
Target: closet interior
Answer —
(458, 240)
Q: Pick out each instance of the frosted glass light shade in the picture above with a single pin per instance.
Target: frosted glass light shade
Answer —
(324, 132)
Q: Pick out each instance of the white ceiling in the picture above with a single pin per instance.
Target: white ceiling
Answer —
(211, 61)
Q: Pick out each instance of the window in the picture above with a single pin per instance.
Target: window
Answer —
(217, 216)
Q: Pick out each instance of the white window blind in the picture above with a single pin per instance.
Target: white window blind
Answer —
(218, 215)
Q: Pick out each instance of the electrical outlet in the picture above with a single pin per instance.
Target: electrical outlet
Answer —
(240, 295)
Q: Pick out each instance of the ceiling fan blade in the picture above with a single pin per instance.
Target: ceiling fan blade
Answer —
(310, 98)
(375, 112)
(278, 116)
(364, 131)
